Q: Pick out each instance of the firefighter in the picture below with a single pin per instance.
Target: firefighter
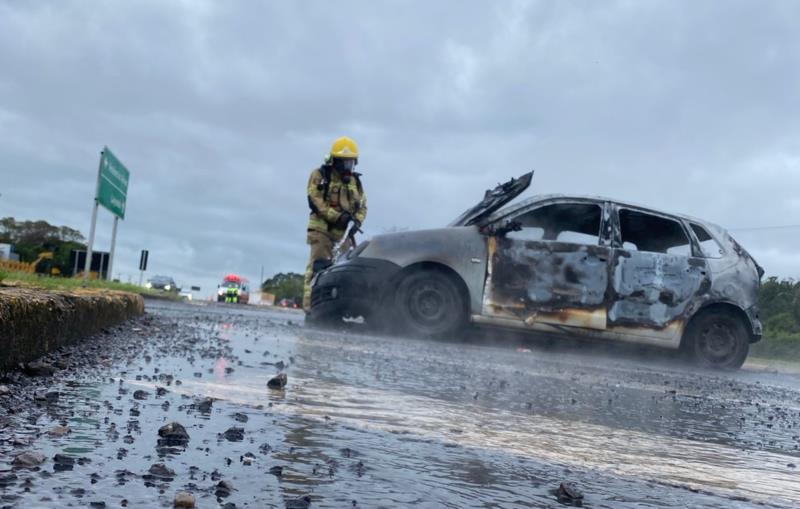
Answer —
(232, 295)
(336, 198)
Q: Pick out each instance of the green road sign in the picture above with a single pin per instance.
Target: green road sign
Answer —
(112, 184)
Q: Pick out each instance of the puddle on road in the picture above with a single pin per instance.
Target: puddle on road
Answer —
(757, 475)
(365, 423)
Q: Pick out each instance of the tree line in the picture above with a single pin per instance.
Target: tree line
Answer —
(779, 305)
(287, 285)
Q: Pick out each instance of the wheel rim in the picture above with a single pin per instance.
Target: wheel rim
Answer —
(427, 303)
(717, 342)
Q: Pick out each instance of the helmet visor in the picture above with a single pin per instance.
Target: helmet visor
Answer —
(345, 164)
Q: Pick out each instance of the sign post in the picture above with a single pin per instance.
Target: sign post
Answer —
(110, 275)
(143, 264)
(88, 263)
(112, 193)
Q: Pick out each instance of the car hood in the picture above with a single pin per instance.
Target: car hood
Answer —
(451, 246)
(493, 199)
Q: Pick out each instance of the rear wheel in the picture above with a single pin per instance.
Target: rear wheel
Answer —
(428, 303)
(718, 340)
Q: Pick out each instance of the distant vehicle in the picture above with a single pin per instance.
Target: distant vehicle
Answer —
(164, 283)
(554, 264)
(288, 303)
(234, 289)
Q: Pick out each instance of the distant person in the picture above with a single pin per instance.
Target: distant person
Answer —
(336, 198)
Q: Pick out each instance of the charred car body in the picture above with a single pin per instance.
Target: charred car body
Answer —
(557, 264)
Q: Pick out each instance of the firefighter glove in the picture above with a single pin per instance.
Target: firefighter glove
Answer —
(344, 218)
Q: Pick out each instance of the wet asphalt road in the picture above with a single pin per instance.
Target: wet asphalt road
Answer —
(367, 421)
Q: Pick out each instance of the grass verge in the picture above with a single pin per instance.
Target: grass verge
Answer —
(778, 346)
(26, 280)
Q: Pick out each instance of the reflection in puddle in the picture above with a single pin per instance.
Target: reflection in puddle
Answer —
(755, 474)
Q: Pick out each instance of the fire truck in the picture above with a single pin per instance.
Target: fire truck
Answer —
(234, 289)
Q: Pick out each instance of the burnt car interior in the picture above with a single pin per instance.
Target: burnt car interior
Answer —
(655, 234)
(563, 222)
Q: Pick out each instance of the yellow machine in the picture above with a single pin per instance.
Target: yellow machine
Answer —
(30, 268)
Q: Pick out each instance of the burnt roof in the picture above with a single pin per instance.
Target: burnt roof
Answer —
(597, 199)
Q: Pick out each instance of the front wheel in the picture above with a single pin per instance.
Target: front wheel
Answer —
(323, 317)
(428, 303)
(718, 340)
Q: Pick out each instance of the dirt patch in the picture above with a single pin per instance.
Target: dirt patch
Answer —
(35, 322)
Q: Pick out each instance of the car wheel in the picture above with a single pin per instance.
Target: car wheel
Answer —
(718, 340)
(428, 303)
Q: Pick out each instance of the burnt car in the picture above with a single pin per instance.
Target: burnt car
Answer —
(555, 264)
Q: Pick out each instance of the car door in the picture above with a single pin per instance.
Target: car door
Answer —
(554, 269)
(655, 274)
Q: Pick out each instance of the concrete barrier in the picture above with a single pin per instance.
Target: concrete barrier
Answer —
(35, 322)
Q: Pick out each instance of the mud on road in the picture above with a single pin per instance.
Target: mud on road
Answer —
(366, 421)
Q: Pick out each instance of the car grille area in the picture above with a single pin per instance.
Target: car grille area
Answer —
(322, 294)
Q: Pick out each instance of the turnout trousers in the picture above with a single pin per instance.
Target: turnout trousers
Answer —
(321, 245)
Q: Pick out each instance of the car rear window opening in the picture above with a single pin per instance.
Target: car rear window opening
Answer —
(656, 234)
(708, 245)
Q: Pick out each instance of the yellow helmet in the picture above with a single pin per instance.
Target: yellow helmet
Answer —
(344, 148)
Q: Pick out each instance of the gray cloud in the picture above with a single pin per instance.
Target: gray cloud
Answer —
(220, 110)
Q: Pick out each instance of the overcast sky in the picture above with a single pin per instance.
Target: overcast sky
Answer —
(221, 109)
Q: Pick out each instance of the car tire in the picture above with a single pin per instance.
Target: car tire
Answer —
(429, 303)
(718, 339)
